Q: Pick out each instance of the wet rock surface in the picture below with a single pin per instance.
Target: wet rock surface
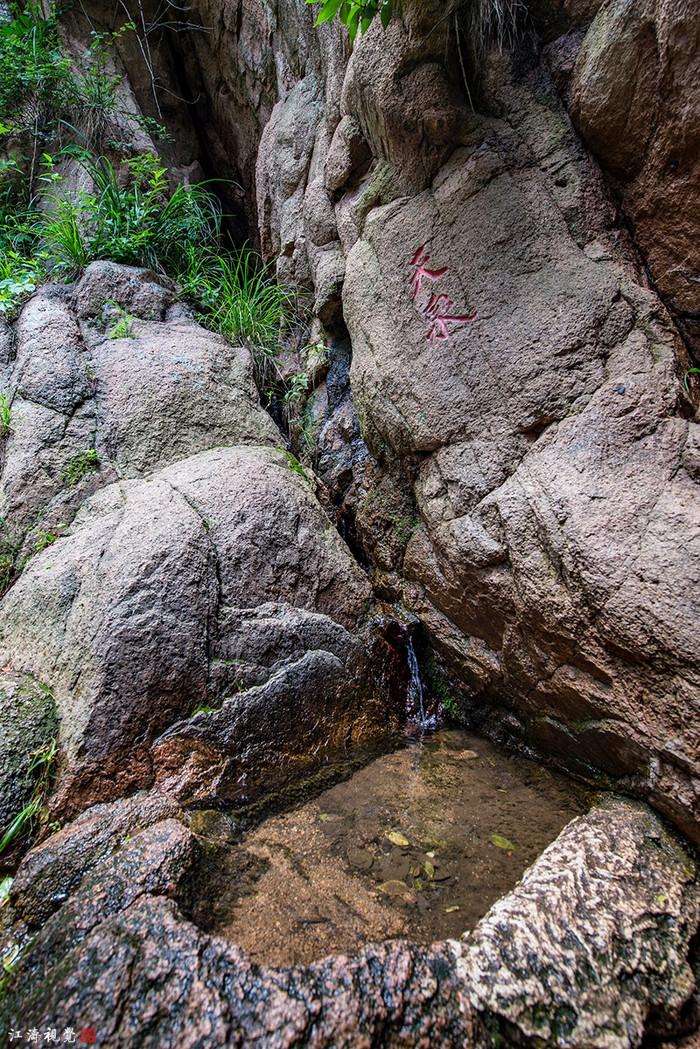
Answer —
(120, 952)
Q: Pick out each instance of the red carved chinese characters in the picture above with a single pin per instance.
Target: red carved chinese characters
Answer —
(420, 273)
(439, 308)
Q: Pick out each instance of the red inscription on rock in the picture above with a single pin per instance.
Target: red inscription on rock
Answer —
(439, 309)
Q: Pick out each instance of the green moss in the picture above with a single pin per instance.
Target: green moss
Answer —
(440, 687)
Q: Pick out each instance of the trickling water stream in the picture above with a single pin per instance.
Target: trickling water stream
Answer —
(415, 705)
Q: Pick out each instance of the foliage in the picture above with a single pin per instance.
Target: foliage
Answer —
(36, 78)
(134, 221)
(355, 14)
(19, 278)
(241, 300)
(40, 769)
(127, 211)
(202, 709)
(43, 540)
(296, 467)
(481, 21)
(5, 415)
(123, 329)
(80, 466)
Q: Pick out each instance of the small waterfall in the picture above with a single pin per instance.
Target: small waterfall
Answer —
(416, 699)
(416, 702)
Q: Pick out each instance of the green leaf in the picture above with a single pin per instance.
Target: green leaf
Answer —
(386, 13)
(502, 843)
(353, 23)
(328, 10)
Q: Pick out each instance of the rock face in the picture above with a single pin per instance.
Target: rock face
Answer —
(145, 975)
(636, 101)
(187, 578)
(514, 376)
(27, 723)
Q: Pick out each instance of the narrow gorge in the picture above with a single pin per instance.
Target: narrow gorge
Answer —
(350, 554)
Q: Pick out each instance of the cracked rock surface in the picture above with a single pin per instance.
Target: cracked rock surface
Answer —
(189, 565)
(590, 950)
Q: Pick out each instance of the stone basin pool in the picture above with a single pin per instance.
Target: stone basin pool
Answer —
(418, 844)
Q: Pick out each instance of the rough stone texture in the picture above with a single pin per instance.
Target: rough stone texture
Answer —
(570, 941)
(54, 870)
(177, 574)
(138, 615)
(170, 390)
(636, 101)
(548, 443)
(573, 955)
(27, 723)
(549, 446)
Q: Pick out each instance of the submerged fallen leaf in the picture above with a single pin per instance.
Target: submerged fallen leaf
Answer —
(451, 910)
(330, 817)
(465, 755)
(360, 858)
(502, 843)
(397, 839)
(429, 870)
(393, 888)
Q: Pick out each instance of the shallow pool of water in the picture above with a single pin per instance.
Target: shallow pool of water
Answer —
(417, 844)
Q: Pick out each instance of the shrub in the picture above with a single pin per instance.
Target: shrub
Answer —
(241, 300)
(36, 78)
(138, 222)
(41, 770)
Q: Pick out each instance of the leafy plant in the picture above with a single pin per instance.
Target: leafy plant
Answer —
(139, 223)
(123, 327)
(19, 278)
(40, 769)
(201, 709)
(5, 415)
(36, 78)
(45, 539)
(79, 466)
(296, 467)
(355, 14)
(241, 300)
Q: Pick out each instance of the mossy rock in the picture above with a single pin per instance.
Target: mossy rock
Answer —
(27, 722)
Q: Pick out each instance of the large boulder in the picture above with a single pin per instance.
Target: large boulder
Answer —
(591, 951)
(88, 408)
(636, 100)
(155, 603)
(176, 570)
(554, 471)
